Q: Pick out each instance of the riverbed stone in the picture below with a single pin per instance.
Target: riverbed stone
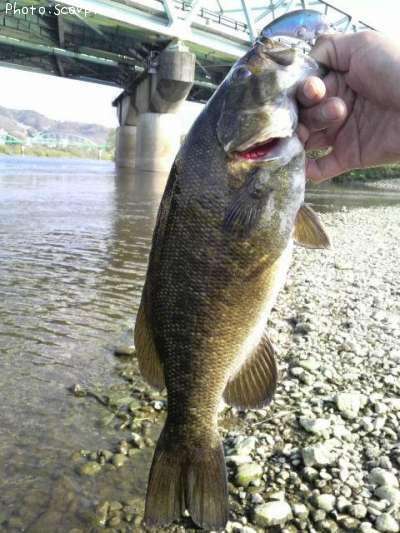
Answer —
(326, 502)
(350, 403)
(387, 524)
(247, 473)
(391, 494)
(90, 468)
(318, 455)
(118, 460)
(380, 476)
(274, 513)
(318, 426)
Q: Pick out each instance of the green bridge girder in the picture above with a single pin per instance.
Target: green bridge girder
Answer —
(115, 41)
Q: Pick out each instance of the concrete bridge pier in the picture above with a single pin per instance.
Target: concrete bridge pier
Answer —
(150, 132)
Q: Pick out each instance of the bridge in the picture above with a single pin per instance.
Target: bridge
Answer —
(53, 139)
(159, 52)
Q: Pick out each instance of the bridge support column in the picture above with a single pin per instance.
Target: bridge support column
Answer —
(125, 146)
(153, 108)
(158, 141)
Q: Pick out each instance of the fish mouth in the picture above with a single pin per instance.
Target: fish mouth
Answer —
(267, 150)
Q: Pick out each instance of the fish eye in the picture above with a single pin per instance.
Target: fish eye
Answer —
(241, 74)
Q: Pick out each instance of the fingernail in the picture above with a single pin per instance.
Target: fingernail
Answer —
(309, 89)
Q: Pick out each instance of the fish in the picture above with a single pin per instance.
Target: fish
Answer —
(232, 206)
(304, 24)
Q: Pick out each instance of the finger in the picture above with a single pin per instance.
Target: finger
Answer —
(319, 139)
(311, 91)
(331, 112)
(302, 133)
(327, 167)
(335, 51)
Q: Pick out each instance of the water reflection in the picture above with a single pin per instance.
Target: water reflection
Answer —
(74, 239)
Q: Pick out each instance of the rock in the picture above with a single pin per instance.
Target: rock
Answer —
(296, 371)
(90, 469)
(102, 513)
(318, 455)
(238, 459)
(257, 499)
(247, 473)
(300, 510)
(310, 364)
(118, 459)
(318, 515)
(348, 522)
(379, 476)
(366, 527)
(395, 356)
(124, 349)
(318, 426)
(358, 511)
(274, 513)
(391, 494)
(386, 523)
(326, 502)
(342, 504)
(245, 446)
(350, 403)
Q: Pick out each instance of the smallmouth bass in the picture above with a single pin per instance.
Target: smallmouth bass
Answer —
(232, 206)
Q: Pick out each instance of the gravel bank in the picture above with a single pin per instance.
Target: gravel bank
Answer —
(329, 444)
(325, 456)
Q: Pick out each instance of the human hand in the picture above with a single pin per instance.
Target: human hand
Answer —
(356, 108)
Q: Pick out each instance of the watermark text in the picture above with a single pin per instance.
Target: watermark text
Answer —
(12, 8)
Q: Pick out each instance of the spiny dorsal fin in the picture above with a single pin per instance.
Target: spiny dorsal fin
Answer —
(255, 383)
(149, 360)
(308, 229)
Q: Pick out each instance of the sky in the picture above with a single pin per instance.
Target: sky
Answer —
(64, 99)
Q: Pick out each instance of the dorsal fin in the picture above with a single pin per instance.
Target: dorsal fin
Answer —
(255, 383)
(309, 230)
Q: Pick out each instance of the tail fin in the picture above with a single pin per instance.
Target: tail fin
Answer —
(193, 479)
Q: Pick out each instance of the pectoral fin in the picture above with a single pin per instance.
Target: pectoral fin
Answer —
(255, 383)
(149, 360)
(308, 229)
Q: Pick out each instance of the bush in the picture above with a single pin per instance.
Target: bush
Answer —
(370, 174)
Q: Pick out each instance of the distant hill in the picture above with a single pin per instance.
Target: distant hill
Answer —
(26, 123)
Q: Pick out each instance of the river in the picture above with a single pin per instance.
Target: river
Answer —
(74, 239)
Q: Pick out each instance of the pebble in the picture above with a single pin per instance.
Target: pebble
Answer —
(244, 446)
(350, 403)
(386, 523)
(326, 502)
(358, 510)
(275, 513)
(300, 510)
(247, 473)
(379, 476)
(90, 469)
(318, 455)
(118, 459)
(391, 494)
(318, 426)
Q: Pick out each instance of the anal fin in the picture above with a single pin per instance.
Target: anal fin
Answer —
(254, 385)
(308, 229)
(146, 352)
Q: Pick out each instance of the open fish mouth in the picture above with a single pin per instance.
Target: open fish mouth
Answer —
(267, 150)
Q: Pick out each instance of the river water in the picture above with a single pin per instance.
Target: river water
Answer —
(74, 239)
